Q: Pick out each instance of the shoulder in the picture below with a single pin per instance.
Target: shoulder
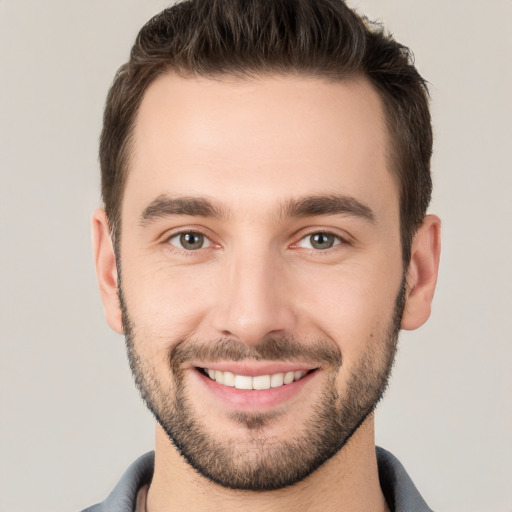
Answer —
(397, 486)
(123, 496)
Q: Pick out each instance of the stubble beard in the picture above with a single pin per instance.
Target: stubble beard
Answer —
(264, 463)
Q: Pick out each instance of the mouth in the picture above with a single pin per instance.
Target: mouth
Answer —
(257, 382)
(260, 387)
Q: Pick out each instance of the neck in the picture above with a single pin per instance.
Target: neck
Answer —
(348, 481)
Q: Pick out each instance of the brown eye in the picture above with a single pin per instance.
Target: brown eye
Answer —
(320, 241)
(189, 240)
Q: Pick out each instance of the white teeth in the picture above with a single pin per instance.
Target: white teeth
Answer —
(241, 382)
(259, 382)
(277, 380)
(288, 377)
(229, 379)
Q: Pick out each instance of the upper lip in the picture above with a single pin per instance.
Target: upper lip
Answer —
(253, 369)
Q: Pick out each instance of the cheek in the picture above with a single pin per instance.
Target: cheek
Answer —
(352, 306)
(165, 303)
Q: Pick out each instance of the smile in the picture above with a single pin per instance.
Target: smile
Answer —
(249, 386)
(258, 382)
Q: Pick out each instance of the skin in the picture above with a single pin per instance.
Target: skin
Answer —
(250, 146)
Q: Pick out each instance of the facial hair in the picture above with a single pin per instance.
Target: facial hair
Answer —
(264, 463)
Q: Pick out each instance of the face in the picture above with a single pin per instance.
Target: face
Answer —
(261, 275)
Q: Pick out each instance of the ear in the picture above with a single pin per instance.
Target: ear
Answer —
(422, 273)
(106, 269)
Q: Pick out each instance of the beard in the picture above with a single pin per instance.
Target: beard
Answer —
(261, 462)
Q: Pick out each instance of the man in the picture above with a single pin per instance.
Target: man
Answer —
(266, 174)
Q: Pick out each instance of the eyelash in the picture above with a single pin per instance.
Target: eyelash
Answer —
(339, 240)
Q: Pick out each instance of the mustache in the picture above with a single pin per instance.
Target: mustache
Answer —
(282, 348)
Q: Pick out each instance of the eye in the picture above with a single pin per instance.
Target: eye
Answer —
(189, 240)
(319, 241)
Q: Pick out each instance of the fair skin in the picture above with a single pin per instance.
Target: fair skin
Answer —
(251, 147)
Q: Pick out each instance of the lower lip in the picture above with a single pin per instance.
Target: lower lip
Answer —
(251, 399)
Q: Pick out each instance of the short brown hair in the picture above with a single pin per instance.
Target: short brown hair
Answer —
(248, 38)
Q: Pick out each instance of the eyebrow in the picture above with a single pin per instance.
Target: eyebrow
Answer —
(309, 206)
(165, 206)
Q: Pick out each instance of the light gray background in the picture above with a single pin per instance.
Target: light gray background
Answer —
(70, 418)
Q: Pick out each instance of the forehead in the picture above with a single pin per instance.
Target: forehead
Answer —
(268, 135)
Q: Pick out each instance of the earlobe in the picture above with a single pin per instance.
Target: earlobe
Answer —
(422, 273)
(106, 269)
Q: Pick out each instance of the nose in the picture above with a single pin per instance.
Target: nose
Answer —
(253, 299)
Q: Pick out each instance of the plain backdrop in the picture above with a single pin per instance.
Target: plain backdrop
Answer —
(70, 418)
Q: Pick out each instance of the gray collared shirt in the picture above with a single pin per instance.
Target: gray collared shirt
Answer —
(398, 488)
